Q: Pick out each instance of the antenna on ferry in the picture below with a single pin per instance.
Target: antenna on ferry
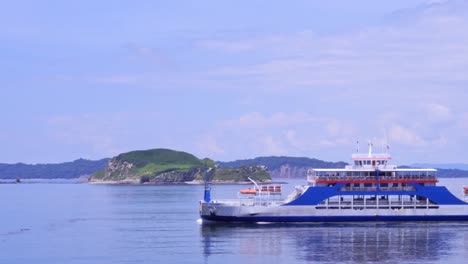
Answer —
(386, 141)
(357, 147)
(370, 148)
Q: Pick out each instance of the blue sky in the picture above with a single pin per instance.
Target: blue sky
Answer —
(233, 79)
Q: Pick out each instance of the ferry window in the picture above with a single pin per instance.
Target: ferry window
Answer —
(356, 162)
(384, 185)
(367, 184)
(356, 185)
(395, 185)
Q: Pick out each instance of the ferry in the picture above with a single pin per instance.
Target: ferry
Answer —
(370, 189)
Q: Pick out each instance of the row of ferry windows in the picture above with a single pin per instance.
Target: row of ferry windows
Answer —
(370, 162)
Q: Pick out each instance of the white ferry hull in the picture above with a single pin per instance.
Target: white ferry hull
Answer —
(226, 213)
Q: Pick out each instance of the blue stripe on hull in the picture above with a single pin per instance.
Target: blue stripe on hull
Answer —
(283, 219)
(437, 194)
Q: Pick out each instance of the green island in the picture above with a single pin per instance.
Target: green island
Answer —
(161, 166)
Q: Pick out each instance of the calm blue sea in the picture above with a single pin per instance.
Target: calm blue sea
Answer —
(81, 223)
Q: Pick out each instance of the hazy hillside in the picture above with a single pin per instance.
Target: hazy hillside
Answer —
(66, 170)
(284, 167)
(456, 166)
(451, 173)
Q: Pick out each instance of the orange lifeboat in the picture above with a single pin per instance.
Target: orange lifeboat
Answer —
(465, 189)
(248, 191)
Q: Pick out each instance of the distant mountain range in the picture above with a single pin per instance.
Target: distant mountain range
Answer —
(279, 167)
(66, 170)
(457, 166)
(284, 167)
(296, 167)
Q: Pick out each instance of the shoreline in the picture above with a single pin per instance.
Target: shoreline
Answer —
(78, 181)
(181, 183)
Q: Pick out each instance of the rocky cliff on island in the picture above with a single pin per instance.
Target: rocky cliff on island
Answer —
(160, 166)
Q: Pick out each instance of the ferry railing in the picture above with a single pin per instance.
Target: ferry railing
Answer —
(405, 188)
(248, 202)
(398, 177)
(261, 198)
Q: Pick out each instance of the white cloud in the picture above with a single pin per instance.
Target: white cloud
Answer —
(429, 49)
(271, 146)
(292, 140)
(278, 119)
(438, 112)
(208, 146)
(404, 135)
(226, 45)
(123, 79)
(283, 133)
(91, 131)
(99, 135)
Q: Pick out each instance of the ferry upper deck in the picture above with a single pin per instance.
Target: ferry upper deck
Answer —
(372, 168)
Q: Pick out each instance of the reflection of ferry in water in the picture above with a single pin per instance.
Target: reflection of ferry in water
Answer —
(370, 189)
(384, 242)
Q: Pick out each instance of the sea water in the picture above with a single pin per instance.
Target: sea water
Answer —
(82, 223)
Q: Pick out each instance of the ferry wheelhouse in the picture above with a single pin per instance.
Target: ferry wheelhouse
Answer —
(370, 189)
